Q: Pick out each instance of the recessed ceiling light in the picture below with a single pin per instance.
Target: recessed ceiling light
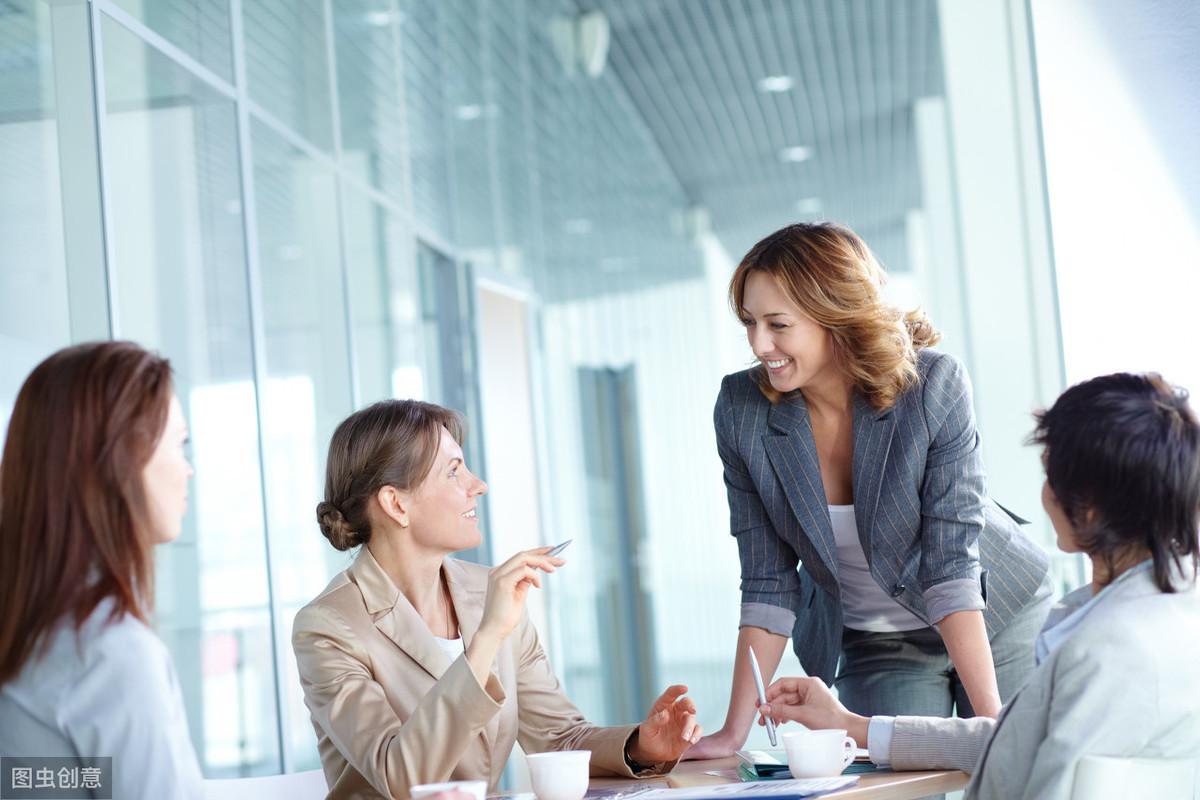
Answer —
(774, 84)
(378, 19)
(469, 112)
(796, 154)
(809, 205)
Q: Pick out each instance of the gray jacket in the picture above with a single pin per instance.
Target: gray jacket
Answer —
(932, 539)
(1126, 683)
(111, 690)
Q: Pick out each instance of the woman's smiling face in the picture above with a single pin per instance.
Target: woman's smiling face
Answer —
(442, 511)
(793, 348)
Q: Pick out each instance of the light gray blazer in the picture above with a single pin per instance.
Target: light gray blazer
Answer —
(932, 539)
(1126, 684)
(110, 692)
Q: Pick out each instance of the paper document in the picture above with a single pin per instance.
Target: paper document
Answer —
(776, 790)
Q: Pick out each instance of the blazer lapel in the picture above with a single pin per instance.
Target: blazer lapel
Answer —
(395, 617)
(872, 441)
(793, 455)
(468, 607)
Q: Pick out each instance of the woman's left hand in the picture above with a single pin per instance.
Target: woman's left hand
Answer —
(668, 731)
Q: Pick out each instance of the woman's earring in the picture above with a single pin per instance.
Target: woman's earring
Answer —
(403, 524)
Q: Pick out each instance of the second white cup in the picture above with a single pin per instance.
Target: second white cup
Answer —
(818, 754)
(559, 774)
(477, 789)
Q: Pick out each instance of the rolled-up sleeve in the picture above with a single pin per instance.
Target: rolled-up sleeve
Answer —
(879, 740)
(952, 495)
(770, 586)
(773, 619)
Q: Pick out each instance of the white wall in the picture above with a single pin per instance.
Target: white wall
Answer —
(992, 169)
(681, 339)
(1121, 116)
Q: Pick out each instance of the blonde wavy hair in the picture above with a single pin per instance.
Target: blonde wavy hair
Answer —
(835, 279)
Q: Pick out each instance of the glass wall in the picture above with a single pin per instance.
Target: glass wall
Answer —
(297, 206)
(35, 315)
(310, 206)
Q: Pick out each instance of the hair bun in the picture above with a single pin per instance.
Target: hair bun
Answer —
(335, 528)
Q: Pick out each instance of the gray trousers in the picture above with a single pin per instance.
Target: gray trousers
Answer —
(910, 673)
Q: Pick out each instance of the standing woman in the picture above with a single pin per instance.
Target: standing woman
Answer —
(858, 499)
(93, 477)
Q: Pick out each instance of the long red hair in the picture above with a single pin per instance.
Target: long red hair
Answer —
(73, 510)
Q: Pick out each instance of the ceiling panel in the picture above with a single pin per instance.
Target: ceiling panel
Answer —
(693, 70)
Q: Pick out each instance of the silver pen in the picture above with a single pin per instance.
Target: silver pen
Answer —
(762, 696)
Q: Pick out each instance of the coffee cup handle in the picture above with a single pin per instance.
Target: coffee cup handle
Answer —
(848, 756)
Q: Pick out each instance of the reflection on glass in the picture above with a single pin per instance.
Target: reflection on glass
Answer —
(371, 107)
(201, 28)
(179, 272)
(471, 112)
(287, 70)
(513, 129)
(383, 301)
(425, 113)
(307, 392)
(33, 280)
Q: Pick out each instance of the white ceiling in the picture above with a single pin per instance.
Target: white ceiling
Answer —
(692, 69)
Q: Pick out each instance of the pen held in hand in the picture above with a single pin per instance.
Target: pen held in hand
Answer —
(762, 696)
(558, 548)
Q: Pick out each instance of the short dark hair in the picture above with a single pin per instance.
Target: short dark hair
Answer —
(1126, 448)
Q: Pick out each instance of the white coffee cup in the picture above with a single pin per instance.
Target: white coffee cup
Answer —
(818, 754)
(560, 774)
(477, 789)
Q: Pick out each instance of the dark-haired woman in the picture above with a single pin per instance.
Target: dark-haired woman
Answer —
(93, 477)
(417, 667)
(1119, 658)
(857, 497)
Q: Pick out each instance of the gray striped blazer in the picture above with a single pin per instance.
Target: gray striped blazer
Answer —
(932, 538)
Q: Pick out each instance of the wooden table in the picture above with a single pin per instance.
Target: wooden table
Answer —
(883, 785)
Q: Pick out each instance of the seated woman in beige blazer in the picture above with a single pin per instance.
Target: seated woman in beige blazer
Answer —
(419, 668)
(1116, 672)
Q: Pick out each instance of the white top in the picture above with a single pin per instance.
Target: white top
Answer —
(865, 606)
(110, 692)
(453, 648)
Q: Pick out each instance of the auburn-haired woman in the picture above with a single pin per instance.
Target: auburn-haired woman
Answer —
(857, 497)
(417, 667)
(92, 478)
(1117, 661)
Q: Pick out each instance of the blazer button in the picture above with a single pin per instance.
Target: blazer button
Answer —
(899, 590)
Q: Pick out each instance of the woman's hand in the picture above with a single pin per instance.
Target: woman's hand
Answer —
(669, 730)
(508, 585)
(715, 745)
(809, 702)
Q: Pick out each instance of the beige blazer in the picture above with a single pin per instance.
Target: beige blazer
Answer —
(391, 711)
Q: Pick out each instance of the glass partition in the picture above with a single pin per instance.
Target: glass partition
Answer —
(179, 280)
(34, 306)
